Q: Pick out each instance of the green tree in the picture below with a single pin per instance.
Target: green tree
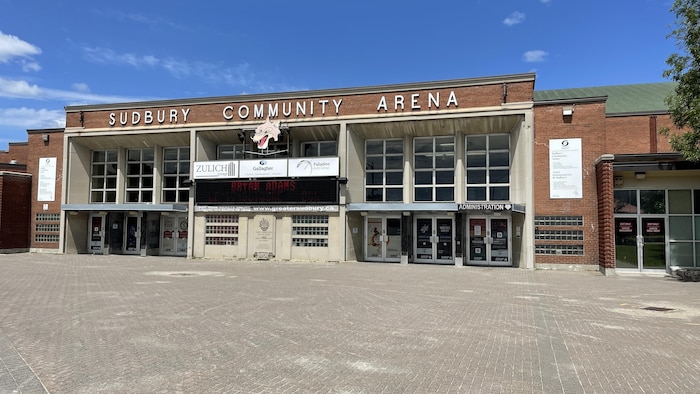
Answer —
(684, 101)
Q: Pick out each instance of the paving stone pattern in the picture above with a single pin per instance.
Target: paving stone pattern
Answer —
(120, 324)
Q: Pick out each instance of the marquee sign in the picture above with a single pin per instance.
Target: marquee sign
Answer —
(267, 192)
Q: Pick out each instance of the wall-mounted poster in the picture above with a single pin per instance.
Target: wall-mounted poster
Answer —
(47, 179)
(565, 168)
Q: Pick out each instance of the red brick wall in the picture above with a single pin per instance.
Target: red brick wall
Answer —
(588, 123)
(606, 213)
(15, 198)
(38, 148)
(16, 151)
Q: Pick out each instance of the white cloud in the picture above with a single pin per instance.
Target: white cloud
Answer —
(19, 89)
(11, 47)
(535, 56)
(30, 66)
(103, 55)
(22, 89)
(238, 76)
(31, 118)
(514, 19)
(81, 87)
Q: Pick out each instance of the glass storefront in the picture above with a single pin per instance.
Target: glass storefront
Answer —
(657, 229)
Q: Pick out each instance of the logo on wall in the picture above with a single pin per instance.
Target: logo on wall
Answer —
(265, 132)
(264, 225)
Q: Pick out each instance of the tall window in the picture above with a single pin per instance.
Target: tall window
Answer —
(319, 148)
(103, 180)
(488, 167)
(384, 170)
(176, 170)
(434, 163)
(139, 175)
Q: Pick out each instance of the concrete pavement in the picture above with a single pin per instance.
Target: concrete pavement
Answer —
(118, 324)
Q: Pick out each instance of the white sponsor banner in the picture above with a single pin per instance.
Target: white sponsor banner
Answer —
(565, 168)
(215, 169)
(47, 179)
(314, 166)
(263, 168)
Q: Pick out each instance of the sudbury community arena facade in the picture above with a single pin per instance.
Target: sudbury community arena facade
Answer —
(479, 171)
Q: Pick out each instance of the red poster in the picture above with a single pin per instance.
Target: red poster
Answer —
(653, 227)
(624, 227)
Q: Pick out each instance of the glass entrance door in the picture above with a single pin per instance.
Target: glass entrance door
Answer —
(383, 238)
(97, 234)
(434, 240)
(489, 241)
(640, 243)
(132, 234)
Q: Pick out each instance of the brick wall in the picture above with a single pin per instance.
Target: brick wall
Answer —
(17, 151)
(606, 213)
(45, 215)
(588, 123)
(15, 198)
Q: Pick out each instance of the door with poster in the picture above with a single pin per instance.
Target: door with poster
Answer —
(132, 234)
(173, 235)
(489, 241)
(96, 238)
(434, 240)
(383, 238)
(640, 243)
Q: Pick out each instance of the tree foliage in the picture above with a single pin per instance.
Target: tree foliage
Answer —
(684, 102)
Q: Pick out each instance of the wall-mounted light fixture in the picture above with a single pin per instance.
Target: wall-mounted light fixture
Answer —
(241, 136)
(45, 137)
(640, 175)
(567, 110)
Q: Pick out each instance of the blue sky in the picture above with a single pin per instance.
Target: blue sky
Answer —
(57, 53)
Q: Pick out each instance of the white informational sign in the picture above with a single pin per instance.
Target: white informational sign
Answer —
(219, 169)
(314, 166)
(565, 168)
(263, 168)
(46, 190)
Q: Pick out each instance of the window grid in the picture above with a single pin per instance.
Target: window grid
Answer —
(559, 235)
(319, 148)
(488, 167)
(47, 227)
(310, 231)
(48, 217)
(53, 238)
(558, 220)
(103, 177)
(176, 170)
(384, 170)
(433, 174)
(221, 230)
(559, 249)
(139, 175)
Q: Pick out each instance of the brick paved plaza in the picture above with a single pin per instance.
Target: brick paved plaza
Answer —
(117, 324)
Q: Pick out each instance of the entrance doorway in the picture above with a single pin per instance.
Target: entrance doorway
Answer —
(434, 240)
(640, 243)
(96, 239)
(383, 238)
(489, 241)
(132, 234)
(174, 235)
